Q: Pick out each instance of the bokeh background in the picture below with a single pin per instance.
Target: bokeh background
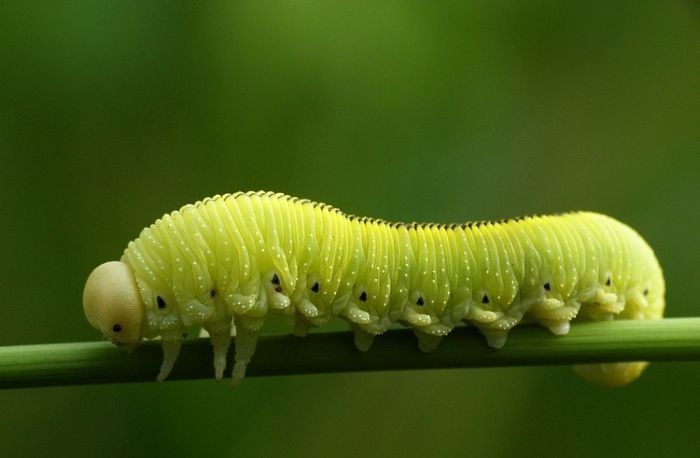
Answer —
(112, 113)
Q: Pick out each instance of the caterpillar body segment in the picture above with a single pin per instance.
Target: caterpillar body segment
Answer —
(227, 262)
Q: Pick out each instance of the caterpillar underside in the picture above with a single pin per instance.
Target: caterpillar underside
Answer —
(237, 258)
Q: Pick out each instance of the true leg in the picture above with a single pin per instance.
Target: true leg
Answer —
(171, 349)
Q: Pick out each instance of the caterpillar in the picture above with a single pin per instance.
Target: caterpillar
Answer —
(226, 263)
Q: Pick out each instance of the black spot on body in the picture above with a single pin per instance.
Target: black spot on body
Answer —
(363, 296)
(315, 287)
(161, 303)
(117, 328)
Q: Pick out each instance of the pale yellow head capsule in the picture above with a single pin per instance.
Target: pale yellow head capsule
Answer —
(113, 304)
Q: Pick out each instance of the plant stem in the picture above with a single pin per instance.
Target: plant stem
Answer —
(81, 363)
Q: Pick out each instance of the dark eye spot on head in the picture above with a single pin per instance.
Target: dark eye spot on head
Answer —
(117, 328)
(420, 300)
(646, 291)
(184, 336)
(212, 293)
(315, 287)
(485, 299)
(275, 279)
(363, 296)
(161, 303)
(608, 282)
(547, 286)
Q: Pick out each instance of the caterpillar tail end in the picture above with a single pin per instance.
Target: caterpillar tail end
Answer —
(611, 375)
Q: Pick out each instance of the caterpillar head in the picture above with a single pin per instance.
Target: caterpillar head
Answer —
(113, 304)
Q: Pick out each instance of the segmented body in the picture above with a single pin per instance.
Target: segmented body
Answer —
(246, 255)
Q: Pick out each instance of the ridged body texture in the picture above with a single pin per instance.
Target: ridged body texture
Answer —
(246, 255)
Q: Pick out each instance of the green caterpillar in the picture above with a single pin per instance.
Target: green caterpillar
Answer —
(233, 259)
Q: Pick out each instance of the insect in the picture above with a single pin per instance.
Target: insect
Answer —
(227, 262)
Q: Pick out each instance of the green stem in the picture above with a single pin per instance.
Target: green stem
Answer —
(675, 339)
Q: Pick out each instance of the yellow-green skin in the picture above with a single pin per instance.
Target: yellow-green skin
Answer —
(245, 255)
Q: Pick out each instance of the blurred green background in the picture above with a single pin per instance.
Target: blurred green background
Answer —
(112, 113)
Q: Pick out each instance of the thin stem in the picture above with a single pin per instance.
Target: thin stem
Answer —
(99, 362)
